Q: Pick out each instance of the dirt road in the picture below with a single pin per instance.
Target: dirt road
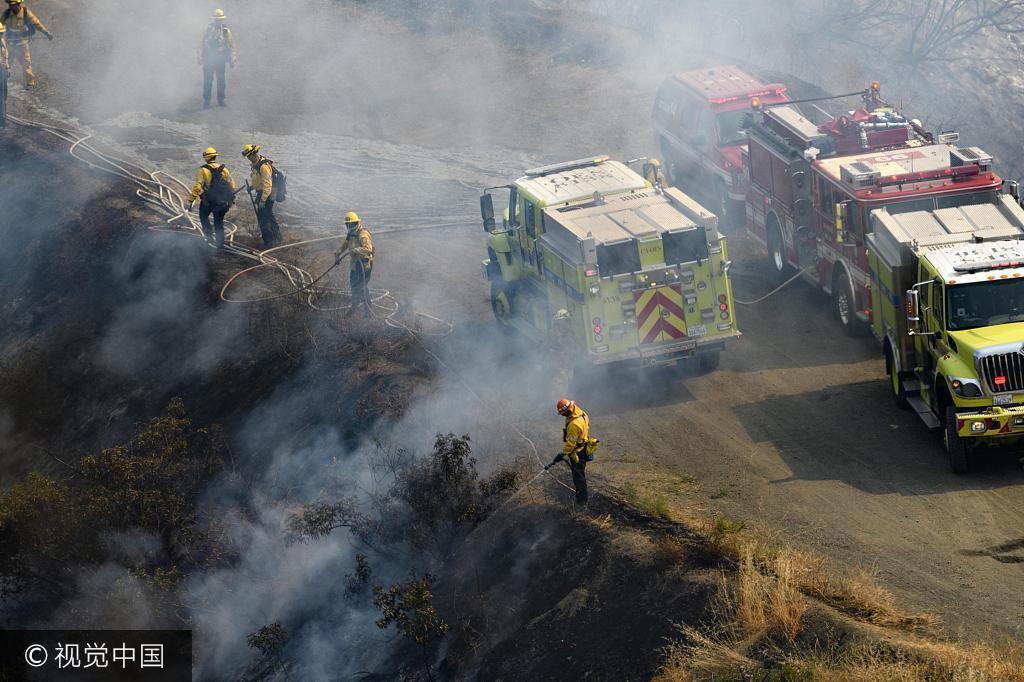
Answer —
(795, 430)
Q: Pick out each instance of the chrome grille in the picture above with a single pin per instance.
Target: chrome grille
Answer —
(1009, 365)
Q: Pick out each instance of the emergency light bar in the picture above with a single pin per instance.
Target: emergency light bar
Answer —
(958, 173)
(568, 165)
(981, 267)
(764, 93)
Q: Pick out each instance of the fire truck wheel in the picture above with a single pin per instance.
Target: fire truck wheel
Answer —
(844, 306)
(777, 265)
(899, 395)
(501, 303)
(956, 448)
(708, 362)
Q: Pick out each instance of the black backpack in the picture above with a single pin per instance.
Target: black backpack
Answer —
(279, 180)
(218, 195)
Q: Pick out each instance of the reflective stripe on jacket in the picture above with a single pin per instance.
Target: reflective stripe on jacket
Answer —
(204, 178)
(576, 433)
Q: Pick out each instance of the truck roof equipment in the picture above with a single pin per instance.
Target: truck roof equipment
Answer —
(964, 243)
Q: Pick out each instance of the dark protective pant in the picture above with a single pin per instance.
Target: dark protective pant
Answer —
(269, 228)
(579, 478)
(217, 231)
(359, 281)
(212, 66)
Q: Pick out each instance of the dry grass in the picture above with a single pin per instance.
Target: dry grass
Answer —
(764, 599)
(856, 594)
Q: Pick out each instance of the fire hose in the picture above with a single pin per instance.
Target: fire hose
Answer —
(773, 291)
(168, 200)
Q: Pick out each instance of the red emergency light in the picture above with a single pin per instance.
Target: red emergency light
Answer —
(999, 381)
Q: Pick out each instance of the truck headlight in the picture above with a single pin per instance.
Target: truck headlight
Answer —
(979, 427)
(965, 388)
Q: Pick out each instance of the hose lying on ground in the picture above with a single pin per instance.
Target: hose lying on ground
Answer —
(167, 197)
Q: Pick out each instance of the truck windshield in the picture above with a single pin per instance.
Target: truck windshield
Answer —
(984, 304)
(730, 127)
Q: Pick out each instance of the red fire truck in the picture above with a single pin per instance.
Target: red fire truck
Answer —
(812, 187)
(698, 125)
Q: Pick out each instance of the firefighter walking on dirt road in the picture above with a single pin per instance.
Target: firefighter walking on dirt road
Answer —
(360, 247)
(5, 72)
(216, 52)
(263, 193)
(217, 189)
(576, 438)
(21, 24)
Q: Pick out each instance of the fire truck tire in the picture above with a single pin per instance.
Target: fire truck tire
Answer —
(956, 448)
(502, 299)
(899, 395)
(708, 362)
(778, 268)
(845, 307)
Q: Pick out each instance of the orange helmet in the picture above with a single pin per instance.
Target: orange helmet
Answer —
(564, 406)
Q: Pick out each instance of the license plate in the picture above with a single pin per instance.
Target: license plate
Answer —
(1002, 399)
(697, 330)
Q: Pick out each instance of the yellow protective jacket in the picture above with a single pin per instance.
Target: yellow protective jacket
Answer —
(575, 434)
(204, 178)
(359, 243)
(218, 43)
(21, 24)
(261, 177)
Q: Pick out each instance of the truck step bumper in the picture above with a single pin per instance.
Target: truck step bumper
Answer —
(998, 422)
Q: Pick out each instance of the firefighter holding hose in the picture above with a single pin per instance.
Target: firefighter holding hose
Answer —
(21, 25)
(360, 247)
(577, 447)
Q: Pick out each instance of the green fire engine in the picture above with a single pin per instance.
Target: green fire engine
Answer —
(641, 268)
(948, 299)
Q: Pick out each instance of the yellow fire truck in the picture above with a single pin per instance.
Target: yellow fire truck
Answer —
(641, 268)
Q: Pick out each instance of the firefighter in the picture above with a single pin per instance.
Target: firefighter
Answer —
(217, 189)
(360, 247)
(21, 25)
(5, 71)
(575, 436)
(215, 52)
(263, 193)
(654, 175)
(561, 348)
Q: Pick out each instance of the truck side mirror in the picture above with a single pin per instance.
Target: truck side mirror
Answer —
(1012, 188)
(913, 310)
(487, 212)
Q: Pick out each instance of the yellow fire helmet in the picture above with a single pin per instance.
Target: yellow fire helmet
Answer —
(250, 149)
(218, 15)
(209, 153)
(351, 218)
(562, 314)
(13, 3)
